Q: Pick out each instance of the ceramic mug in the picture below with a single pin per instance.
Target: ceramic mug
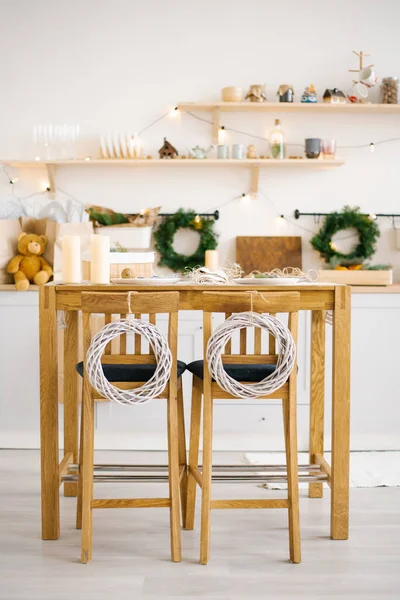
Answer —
(313, 147)
(222, 151)
(238, 151)
(368, 77)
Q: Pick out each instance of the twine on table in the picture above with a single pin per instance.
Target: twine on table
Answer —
(158, 342)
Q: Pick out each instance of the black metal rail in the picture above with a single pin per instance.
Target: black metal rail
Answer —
(298, 214)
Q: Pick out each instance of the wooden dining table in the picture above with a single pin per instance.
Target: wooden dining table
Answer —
(317, 298)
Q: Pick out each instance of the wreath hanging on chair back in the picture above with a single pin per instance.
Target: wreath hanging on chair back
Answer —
(348, 218)
(164, 237)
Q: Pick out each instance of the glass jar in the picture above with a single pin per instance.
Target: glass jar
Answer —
(390, 90)
(276, 140)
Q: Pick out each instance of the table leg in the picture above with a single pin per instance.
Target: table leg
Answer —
(71, 393)
(341, 414)
(49, 414)
(317, 395)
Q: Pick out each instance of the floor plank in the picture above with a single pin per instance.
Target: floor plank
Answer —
(249, 549)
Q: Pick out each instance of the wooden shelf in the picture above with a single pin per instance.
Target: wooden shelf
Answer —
(284, 107)
(253, 164)
(179, 162)
(319, 107)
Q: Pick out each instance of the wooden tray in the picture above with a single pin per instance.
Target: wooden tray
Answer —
(356, 277)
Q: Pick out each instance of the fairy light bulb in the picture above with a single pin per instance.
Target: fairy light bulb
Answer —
(245, 198)
(175, 113)
(372, 147)
(221, 135)
(373, 216)
(280, 222)
(14, 180)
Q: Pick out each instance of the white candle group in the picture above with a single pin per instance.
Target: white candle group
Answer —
(211, 259)
(71, 268)
(99, 259)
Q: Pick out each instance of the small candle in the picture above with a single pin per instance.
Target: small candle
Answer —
(211, 259)
(99, 259)
(71, 259)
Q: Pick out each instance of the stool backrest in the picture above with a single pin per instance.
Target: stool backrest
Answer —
(120, 306)
(236, 302)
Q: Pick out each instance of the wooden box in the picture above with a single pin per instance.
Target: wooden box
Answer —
(356, 277)
(140, 263)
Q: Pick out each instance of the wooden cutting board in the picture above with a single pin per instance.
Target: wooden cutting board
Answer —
(261, 253)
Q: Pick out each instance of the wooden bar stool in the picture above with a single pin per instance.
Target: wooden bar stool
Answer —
(246, 368)
(127, 372)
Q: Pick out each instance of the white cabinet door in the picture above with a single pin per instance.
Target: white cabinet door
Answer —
(19, 370)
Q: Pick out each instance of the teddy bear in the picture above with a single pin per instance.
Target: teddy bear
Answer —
(29, 265)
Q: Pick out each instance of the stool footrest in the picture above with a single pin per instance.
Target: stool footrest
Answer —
(269, 503)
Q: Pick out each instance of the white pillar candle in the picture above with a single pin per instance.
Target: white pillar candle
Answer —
(71, 259)
(100, 259)
(211, 259)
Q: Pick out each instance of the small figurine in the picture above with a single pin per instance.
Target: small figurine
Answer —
(167, 150)
(309, 95)
(285, 93)
(251, 151)
(257, 93)
(198, 152)
(334, 96)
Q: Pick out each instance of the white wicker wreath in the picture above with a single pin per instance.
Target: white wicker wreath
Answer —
(285, 361)
(149, 390)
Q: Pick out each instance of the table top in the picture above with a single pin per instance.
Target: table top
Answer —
(190, 287)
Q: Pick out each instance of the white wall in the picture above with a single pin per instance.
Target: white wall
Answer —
(121, 64)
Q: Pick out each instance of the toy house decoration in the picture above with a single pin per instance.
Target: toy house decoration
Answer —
(310, 95)
(285, 93)
(167, 150)
(257, 93)
(334, 96)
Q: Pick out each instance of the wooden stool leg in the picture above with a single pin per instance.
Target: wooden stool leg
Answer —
(87, 472)
(79, 494)
(293, 479)
(195, 418)
(207, 477)
(182, 453)
(173, 467)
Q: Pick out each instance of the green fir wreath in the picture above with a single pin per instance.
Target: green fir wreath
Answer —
(164, 237)
(368, 233)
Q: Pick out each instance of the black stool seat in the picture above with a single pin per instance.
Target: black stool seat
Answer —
(251, 373)
(134, 373)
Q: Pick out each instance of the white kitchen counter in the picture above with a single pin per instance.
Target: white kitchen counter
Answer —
(239, 425)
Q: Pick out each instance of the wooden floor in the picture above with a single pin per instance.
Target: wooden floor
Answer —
(249, 549)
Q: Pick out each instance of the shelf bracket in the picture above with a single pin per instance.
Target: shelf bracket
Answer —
(51, 174)
(255, 175)
(215, 125)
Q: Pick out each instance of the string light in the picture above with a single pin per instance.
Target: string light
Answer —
(14, 180)
(88, 158)
(175, 113)
(372, 146)
(373, 216)
(280, 222)
(37, 158)
(221, 134)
